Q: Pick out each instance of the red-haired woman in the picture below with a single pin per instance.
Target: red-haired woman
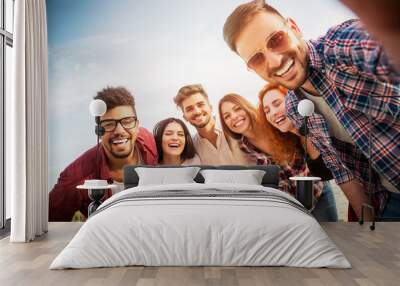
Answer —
(349, 167)
(272, 107)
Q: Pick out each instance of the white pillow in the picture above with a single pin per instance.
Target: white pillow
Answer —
(163, 176)
(248, 177)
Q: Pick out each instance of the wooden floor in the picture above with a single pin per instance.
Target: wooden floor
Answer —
(374, 255)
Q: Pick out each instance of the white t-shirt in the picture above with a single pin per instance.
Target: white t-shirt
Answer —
(334, 126)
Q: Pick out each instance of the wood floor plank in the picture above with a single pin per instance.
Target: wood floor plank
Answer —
(374, 255)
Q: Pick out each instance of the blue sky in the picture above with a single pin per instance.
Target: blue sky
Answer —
(152, 48)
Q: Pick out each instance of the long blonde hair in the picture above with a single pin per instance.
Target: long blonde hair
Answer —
(283, 151)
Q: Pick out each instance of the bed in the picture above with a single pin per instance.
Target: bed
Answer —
(201, 223)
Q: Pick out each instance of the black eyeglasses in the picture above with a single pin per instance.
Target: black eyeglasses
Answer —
(109, 125)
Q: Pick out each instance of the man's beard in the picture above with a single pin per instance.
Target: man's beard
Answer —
(302, 70)
(203, 124)
(122, 155)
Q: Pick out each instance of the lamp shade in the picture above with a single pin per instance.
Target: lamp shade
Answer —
(305, 107)
(97, 107)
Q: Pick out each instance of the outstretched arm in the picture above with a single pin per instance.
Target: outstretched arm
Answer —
(364, 62)
(381, 18)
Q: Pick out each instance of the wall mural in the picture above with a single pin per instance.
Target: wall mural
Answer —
(175, 93)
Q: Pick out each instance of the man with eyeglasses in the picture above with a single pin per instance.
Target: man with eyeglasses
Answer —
(123, 143)
(340, 72)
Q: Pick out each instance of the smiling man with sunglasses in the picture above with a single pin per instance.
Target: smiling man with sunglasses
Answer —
(340, 72)
(123, 143)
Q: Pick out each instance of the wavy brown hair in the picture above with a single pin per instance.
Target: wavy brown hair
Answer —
(282, 153)
(291, 141)
(187, 91)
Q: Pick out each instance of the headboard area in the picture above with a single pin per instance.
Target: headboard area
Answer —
(270, 179)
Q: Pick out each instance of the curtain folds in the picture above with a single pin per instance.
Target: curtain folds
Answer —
(28, 123)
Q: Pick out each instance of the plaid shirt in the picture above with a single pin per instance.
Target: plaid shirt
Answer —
(352, 73)
(345, 160)
(297, 168)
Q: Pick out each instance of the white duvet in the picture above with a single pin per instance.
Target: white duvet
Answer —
(183, 231)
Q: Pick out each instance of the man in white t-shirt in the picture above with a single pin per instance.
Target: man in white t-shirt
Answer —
(210, 142)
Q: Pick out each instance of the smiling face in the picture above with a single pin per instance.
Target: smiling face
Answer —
(235, 117)
(197, 110)
(275, 112)
(120, 143)
(274, 49)
(173, 139)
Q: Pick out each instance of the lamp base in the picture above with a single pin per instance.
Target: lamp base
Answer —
(96, 191)
(304, 193)
(93, 207)
(305, 190)
(96, 195)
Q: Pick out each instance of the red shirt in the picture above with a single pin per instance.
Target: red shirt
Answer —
(65, 199)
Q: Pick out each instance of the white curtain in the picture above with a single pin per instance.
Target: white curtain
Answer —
(27, 116)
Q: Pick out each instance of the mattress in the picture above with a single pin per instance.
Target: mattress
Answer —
(201, 225)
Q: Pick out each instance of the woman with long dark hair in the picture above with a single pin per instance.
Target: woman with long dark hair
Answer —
(174, 143)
